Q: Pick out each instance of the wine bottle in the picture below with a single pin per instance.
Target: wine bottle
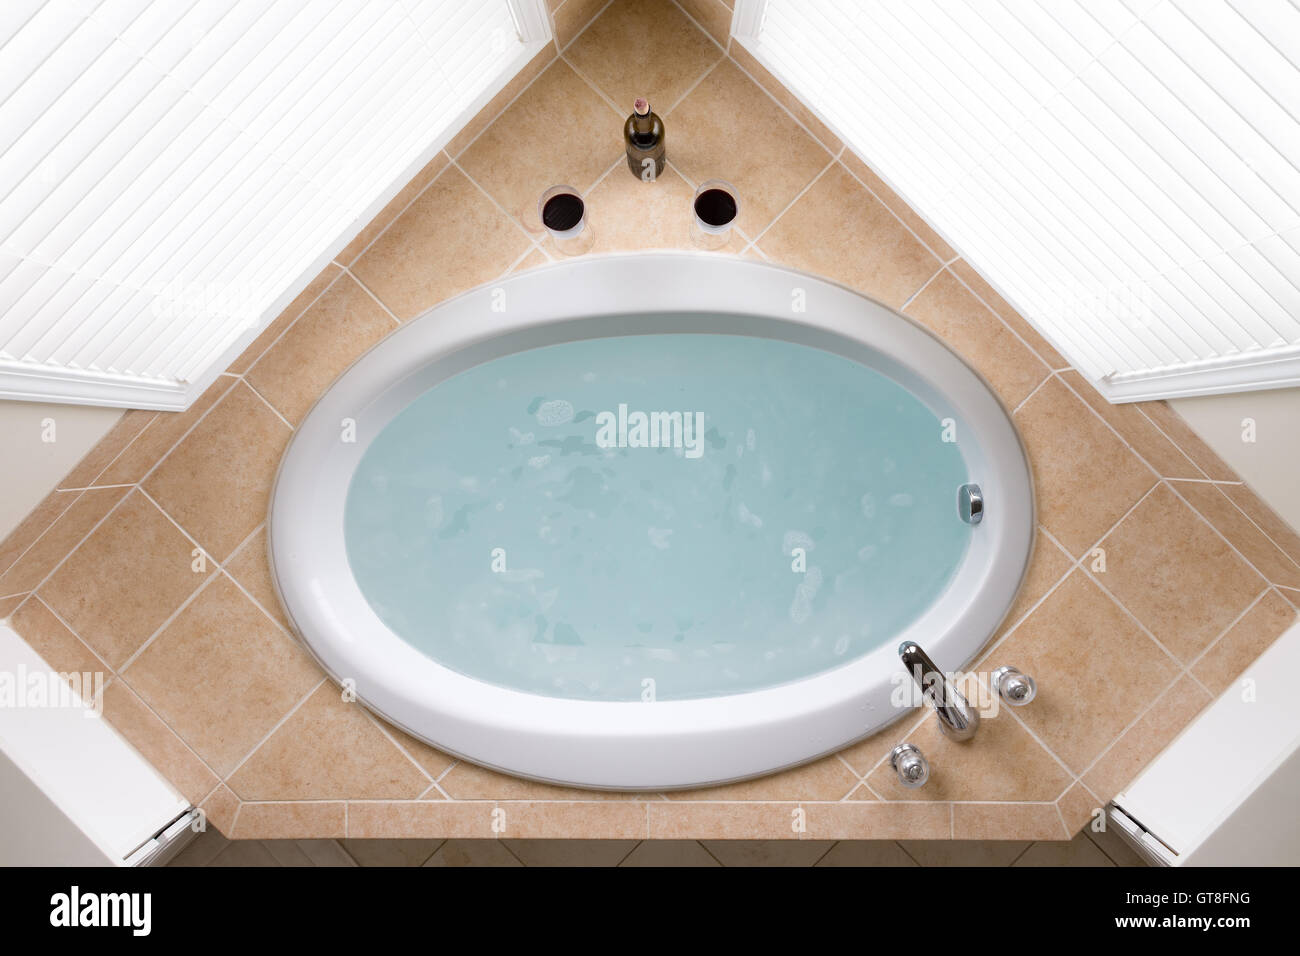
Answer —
(643, 135)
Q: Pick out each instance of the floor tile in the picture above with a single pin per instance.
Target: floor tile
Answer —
(327, 338)
(964, 852)
(583, 133)
(643, 48)
(1096, 670)
(1085, 479)
(768, 852)
(125, 580)
(328, 750)
(704, 130)
(1249, 637)
(670, 853)
(451, 239)
(217, 483)
(947, 308)
(1178, 577)
(839, 230)
(1079, 851)
(222, 675)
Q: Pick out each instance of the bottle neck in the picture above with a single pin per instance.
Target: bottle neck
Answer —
(643, 125)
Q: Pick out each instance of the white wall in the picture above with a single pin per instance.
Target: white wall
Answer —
(1271, 464)
(34, 467)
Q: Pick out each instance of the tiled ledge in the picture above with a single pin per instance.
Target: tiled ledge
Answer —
(148, 562)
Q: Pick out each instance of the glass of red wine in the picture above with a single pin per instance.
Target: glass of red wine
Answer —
(715, 207)
(564, 214)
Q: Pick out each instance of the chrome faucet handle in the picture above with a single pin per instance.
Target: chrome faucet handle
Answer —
(910, 764)
(957, 718)
(1011, 685)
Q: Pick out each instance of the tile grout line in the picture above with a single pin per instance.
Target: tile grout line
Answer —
(113, 460)
(788, 112)
(1114, 431)
(267, 402)
(76, 496)
(1287, 557)
(271, 733)
(1000, 318)
(924, 285)
(535, 240)
(788, 206)
(399, 214)
(699, 26)
(1223, 537)
(366, 289)
(915, 235)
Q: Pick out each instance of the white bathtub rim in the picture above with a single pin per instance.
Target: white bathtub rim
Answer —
(619, 745)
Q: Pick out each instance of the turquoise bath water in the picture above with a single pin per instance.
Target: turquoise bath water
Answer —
(507, 524)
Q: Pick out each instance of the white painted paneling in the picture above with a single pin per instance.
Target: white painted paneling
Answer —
(1125, 172)
(171, 171)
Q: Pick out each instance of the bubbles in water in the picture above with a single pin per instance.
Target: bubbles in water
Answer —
(659, 537)
(801, 607)
(539, 461)
(868, 505)
(555, 412)
(900, 500)
(521, 438)
(750, 439)
(841, 645)
(866, 552)
(748, 517)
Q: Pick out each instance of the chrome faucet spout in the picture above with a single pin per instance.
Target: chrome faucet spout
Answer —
(957, 718)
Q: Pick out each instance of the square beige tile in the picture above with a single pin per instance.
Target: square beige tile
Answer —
(626, 214)
(217, 482)
(161, 435)
(1178, 577)
(947, 308)
(1136, 429)
(643, 48)
(328, 750)
(571, 18)
(318, 348)
(1249, 637)
(839, 230)
(1175, 709)
(451, 239)
(1096, 670)
(705, 132)
(713, 16)
(31, 565)
(1077, 459)
(125, 580)
(1242, 533)
(1079, 808)
(419, 819)
(582, 133)
(57, 645)
(222, 675)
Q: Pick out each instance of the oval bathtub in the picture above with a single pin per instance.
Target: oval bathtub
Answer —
(646, 522)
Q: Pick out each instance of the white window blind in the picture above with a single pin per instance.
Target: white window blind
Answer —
(171, 171)
(1125, 172)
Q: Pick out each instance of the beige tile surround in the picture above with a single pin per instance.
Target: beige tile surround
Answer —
(148, 562)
